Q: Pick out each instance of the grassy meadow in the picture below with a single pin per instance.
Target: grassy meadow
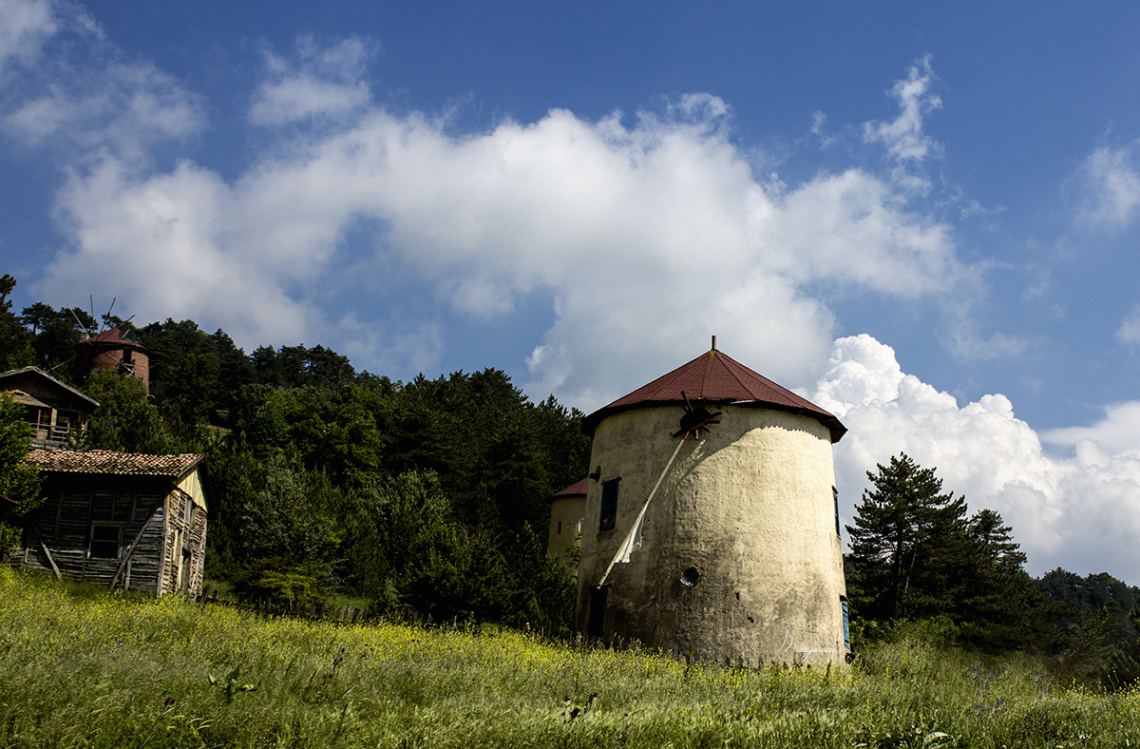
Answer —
(82, 668)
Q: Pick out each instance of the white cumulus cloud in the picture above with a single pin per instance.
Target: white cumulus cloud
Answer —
(1109, 180)
(903, 136)
(24, 27)
(1117, 432)
(1080, 511)
(646, 236)
(75, 90)
(1129, 330)
(323, 82)
(162, 242)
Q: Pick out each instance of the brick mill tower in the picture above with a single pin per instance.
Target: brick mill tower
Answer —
(113, 350)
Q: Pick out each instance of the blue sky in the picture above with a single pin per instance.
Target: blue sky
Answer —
(922, 216)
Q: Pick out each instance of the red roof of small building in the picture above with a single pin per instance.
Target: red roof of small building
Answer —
(112, 463)
(715, 378)
(577, 489)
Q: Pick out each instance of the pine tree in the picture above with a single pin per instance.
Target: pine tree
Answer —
(15, 342)
(908, 543)
(914, 554)
(995, 540)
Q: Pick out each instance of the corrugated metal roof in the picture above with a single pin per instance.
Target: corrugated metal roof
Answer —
(112, 463)
(717, 379)
(577, 489)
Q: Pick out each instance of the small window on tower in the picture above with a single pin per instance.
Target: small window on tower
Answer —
(835, 499)
(846, 623)
(609, 505)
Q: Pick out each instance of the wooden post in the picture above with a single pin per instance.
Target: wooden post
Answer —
(46, 552)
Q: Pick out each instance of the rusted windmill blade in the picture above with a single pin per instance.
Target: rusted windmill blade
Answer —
(696, 419)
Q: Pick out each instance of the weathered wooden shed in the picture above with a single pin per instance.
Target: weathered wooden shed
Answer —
(123, 519)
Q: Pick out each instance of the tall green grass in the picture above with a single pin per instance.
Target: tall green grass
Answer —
(83, 668)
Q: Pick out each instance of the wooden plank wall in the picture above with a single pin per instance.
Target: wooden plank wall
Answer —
(142, 568)
(184, 537)
(64, 526)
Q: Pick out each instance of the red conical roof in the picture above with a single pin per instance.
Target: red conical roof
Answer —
(114, 338)
(717, 379)
(577, 489)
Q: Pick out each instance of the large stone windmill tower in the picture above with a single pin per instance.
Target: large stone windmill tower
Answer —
(715, 487)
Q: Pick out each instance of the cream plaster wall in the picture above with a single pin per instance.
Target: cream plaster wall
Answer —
(567, 511)
(192, 485)
(750, 507)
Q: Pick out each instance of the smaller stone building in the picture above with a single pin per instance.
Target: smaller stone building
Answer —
(123, 519)
(567, 513)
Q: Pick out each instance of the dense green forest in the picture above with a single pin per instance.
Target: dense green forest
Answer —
(430, 497)
(422, 497)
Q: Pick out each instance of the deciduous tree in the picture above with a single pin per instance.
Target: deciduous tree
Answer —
(125, 420)
(18, 481)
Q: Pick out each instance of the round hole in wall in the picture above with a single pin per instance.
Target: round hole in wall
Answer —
(690, 577)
